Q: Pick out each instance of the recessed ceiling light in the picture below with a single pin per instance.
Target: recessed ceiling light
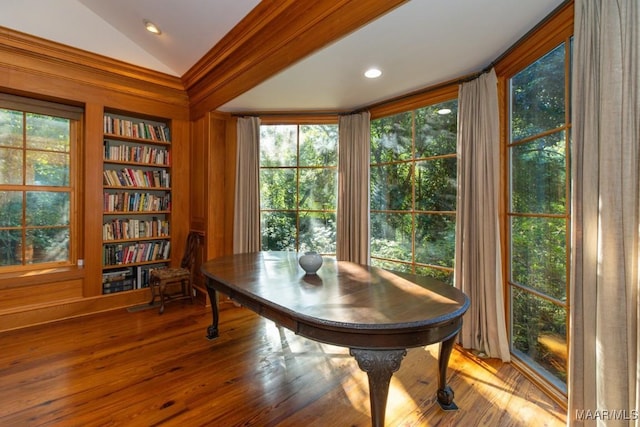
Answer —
(444, 111)
(151, 27)
(372, 73)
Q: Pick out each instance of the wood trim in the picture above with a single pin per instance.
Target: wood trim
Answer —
(43, 59)
(271, 37)
(217, 186)
(231, 139)
(440, 93)
(299, 119)
(59, 310)
(551, 32)
(91, 185)
(180, 188)
(63, 54)
(556, 29)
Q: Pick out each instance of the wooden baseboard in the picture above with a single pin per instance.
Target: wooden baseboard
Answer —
(45, 313)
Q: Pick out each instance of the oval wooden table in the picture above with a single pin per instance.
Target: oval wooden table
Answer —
(375, 313)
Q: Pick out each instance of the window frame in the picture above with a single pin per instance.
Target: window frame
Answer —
(75, 116)
(299, 122)
(412, 106)
(551, 32)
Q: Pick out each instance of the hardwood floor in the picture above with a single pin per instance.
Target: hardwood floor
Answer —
(140, 368)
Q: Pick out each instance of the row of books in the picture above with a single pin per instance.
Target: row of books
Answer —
(128, 278)
(128, 177)
(118, 280)
(124, 127)
(118, 229)
(138, 153)
(136, 202)
(119, 286)
(118, 254)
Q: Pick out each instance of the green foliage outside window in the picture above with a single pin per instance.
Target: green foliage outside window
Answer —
(298, 187)
(538, 213)
(34, 188)
(414, 190)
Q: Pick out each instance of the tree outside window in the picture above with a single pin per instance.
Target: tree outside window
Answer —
(539, 215)
(414, 190)
(35, 188)
(298, 187)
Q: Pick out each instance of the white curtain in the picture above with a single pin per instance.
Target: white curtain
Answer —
(353, 188)
(603, 352)
(478, 268)
(246, 222)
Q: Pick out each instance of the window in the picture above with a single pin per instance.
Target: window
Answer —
(414, 190)
(298, 187)
(37, 143)
(538, 215)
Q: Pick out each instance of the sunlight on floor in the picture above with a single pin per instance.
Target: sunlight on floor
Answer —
(479, 384)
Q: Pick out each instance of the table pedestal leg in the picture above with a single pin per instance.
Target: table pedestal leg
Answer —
(379, 366)
(212, 331)
(445, 393)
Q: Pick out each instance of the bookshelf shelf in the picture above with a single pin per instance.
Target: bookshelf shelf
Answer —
(134, 139)
(142, 164)
(136, 187)
(137, 200)
(135, 212)
(135, 264)
(137, 239)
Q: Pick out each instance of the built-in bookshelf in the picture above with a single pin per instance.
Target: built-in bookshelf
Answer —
(136, 234)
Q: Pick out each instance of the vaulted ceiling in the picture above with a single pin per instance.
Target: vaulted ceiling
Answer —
(418, 44)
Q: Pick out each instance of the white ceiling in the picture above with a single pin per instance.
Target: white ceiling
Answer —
(419, 44)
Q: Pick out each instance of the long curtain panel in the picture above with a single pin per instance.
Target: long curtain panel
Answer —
(353, 188)
(603, 382)
(246, 222)
(478, 270)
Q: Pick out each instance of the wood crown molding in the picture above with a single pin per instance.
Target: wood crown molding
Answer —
(24, 52)
(553, 30)
(273, 36)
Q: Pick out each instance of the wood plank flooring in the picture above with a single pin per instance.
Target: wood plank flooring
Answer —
(143, 369)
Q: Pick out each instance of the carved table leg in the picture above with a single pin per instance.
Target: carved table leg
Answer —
(379, 366)
(445, 393)
(212, 331)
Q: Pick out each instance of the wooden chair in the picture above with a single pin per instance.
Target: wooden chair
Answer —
(159, 278)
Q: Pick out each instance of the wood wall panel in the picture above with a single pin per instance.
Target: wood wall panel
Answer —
(180, 188)
(64, 309)
(92, 198)
(229, 183)
(212, 174)
(216, 229)
(40, 69)
(39, 294)
(198, 199)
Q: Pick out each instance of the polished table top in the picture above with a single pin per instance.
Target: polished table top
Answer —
(364, 301)
(376, 313)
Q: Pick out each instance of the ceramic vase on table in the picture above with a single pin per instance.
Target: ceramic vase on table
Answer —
(310, 262)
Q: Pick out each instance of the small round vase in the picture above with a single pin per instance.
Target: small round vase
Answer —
(310, 262)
